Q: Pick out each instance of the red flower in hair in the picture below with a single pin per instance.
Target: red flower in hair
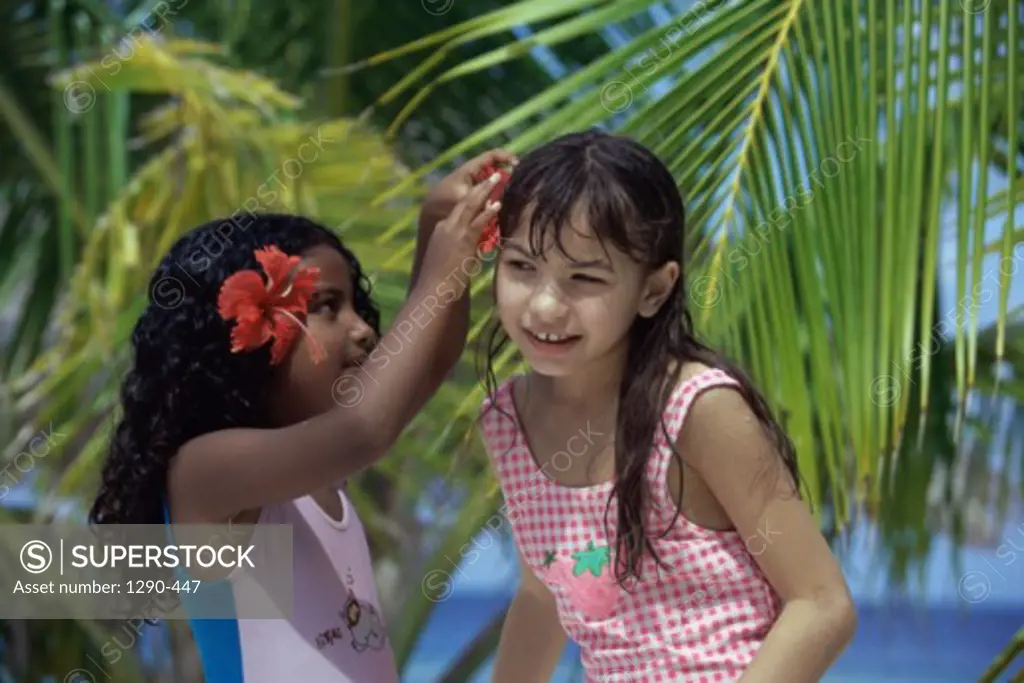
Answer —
(265, 310)
(491, 238)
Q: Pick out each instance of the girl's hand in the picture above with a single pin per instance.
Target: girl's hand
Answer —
(456, 185)
(453, 249)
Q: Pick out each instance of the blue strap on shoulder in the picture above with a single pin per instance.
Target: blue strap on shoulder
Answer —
(218, 640)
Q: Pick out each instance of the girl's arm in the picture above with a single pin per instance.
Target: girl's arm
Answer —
(725, 444)
(532, 639)
(216, 476)
(439, 203)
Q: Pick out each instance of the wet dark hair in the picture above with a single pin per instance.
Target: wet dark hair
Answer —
(631, 202)
(184, 380)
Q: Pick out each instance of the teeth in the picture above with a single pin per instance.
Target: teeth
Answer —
(550, 337)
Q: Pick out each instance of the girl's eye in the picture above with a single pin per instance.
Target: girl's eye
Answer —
(330, 304)
(519, 265)
(588, 278)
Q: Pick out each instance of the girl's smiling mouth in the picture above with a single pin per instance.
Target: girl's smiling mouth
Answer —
(354, 363)
(554, 344)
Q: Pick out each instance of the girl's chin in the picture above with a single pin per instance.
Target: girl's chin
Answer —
(550, 367)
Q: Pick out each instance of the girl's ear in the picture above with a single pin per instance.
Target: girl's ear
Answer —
(657, 288)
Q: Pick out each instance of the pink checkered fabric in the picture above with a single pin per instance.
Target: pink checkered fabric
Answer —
(700, 618)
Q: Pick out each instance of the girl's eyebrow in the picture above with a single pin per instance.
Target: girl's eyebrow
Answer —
(326, 290)
(600, 264)
(515, 247)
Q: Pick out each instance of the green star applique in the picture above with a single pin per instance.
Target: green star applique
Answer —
(592, 559)
(549, 558)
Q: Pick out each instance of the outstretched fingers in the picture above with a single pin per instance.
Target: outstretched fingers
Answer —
(470, 207)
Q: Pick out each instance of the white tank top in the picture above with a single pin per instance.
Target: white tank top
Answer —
(336, 633)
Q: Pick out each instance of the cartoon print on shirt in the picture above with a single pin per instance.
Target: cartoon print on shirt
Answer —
(364, 624)
(329, 637)
(583, 581)
(549, 559)
(591, 559)
(361, 620)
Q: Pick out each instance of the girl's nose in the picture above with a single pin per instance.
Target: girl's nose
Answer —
(546, 303)
(362, 334)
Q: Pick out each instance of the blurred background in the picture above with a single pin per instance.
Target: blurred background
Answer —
(853, 177)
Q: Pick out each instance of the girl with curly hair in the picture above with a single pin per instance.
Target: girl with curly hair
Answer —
(260, 391)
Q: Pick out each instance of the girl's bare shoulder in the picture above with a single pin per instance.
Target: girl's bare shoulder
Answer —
(687, 371)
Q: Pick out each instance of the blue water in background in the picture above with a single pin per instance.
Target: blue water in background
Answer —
(900, 643)
(946, 626)
(950, 632)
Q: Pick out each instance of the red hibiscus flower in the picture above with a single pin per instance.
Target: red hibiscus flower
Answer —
(265, 310)
(490, 238)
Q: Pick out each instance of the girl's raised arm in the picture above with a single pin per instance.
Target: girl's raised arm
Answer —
(216, 476)
(439, 203)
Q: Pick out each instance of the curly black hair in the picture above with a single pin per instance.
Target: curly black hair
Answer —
(185, 381)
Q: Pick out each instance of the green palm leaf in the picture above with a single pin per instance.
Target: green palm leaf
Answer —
(226, 143)
(824, 157)
(816, 147)
(785, 163)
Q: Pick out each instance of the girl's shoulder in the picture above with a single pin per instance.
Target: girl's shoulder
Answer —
(694, 375)
(689, 370)
(497, 419)
(497, 400)
(693, 379)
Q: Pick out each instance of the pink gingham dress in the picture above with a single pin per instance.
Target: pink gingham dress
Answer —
(699, 619)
